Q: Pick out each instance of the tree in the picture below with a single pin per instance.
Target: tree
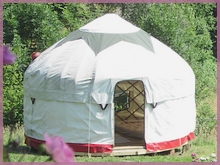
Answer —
(27, 28)
(76, 15)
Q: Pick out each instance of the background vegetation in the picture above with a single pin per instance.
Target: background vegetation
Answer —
(189, 29)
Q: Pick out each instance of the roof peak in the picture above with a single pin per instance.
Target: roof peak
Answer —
(109, 23)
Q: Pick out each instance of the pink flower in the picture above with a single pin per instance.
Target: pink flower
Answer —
(8, 56)
(193, 155)
(196, 160)
(58, 149)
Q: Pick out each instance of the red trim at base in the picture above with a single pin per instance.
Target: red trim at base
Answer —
(91, 148)
(161, 146)
(107, 148)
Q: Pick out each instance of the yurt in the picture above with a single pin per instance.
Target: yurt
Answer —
(109, 87)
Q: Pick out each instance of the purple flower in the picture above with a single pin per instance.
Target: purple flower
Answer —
(193, 155)
(58, 149)
(8, 56)
(196, 160)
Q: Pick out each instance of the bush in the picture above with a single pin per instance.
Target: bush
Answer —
(206, 121)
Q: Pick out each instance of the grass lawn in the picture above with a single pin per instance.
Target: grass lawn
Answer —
(202, 147)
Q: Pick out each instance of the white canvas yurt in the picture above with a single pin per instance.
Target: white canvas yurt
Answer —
(108, 85)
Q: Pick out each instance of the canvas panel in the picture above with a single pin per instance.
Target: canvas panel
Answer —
(62, 74)
(169, 145)
(172, 58)
(100, 41)
(66, 71)
(162, 78)
(78, 123)
(170, 120)
(107, 30)
(109, 23)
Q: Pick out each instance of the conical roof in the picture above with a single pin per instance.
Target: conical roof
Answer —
(91, 60)
(108, 30)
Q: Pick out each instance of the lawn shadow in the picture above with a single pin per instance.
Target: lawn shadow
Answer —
(25, 150)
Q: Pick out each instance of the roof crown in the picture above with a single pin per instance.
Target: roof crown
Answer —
(109, 23)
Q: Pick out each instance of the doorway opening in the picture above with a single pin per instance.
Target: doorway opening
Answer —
(129, 106)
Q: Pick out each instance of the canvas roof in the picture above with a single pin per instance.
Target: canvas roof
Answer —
(91, 60)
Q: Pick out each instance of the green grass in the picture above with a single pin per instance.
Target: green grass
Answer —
(203, 147)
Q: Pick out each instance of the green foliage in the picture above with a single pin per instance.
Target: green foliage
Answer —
(209, 13)
(13, 85)
(13, 95)
(206, 120)
(36, 24)
(27, 28)
(121, 101)
(76, 15)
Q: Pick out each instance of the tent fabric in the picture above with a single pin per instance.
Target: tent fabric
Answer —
(109, 23)
(166, 145)
(64, 78)
(100, 41)
(78, 123)
(170, 119)
(59, 75)
(164, 77)
(73, 84)
(87, 56)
